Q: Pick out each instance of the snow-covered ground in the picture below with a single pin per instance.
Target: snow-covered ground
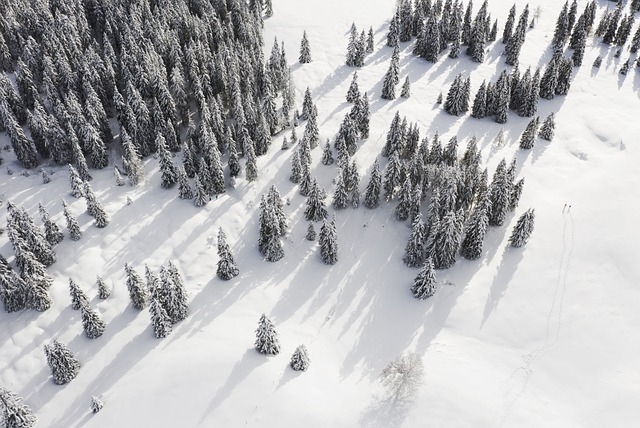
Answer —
(545, 335)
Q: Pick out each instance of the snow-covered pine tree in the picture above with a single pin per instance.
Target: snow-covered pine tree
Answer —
(200, 196)
(446, 241)
(63, 364)
(173, 285)
(76, 183)
(305, 50)
(340, 196)
(160, 320)
(78, 297)
(499, 194)
(327, 156)
(328, 241)
(92, 324)
(516, 192)
(12, 288)
(46, 178)
(424, 285)
(414, 250)
(251, 166)
(15, 414)
(404, 201)
(315, 210)
(353, 94)
(52, 232)
(184, 188)
(547, 131)
(131, 159)
(406, 88)
(137, 291)
(103, 289)
(300, 359)
(167, 168)
(479, 108)
(269, 242)
(267, 341)
(523, 229)
(476, 230)
(391, 78)
(311, 232)
(528, 137)
(227, 267)
(72, 224)
(96, 404)
(118, 176)
(370, 41)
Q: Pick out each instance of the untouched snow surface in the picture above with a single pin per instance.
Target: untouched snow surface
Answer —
(546, 335)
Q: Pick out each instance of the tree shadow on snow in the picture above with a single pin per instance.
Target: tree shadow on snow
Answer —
(385, 412)
(511, 258)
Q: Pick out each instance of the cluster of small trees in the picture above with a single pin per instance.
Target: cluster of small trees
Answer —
(358, 47)
(267, 342)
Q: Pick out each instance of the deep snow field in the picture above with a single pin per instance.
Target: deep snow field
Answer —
(542, 336)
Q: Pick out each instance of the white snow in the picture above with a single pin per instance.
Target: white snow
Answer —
(545, 335)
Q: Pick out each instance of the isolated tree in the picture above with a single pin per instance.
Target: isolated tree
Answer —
(300, 359)
(52, 232)
(528, 137)
(328, 241)
(15, 414)
(92, 324)
(305, 50)
(72, 224)
(227, 267)
(424, 285)
(523, 229)
(96, 404)
(78, 297)
(327, 155)
(46, 178)
(267, 341)
(63, 364)
(103, 289)
(402, 376)
(137, 291)
(547, 131)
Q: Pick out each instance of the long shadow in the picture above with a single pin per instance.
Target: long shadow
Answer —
(385, 412)
(249, 362)
(511, 258)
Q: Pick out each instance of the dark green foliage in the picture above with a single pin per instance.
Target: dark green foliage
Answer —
(63, 364)
(424, 286)
(227, 267)
(523, 229)
(267, 341)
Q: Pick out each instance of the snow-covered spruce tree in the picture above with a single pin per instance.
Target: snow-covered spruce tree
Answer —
(446, 242)
(118, 176)
(184, 188)
(92, 324)
(523, 228)
(72, 224)
(78, 297)
(52, 232)
(167, 168)
(414, 250)
(391, 79)
(311, 132)
(340, 196)
(547, 131)
(15, 414)
(516, 192)
(392, 176)
(103, 289)
(12, 288)
(499, 194)
(269, 242)
(94, 207)
(372, 193)
(353, 94)
(200, 196)
(457, 101)
(63, 364)
(311, 232)
(424, 285)
(327, 155)
(476, 230)
(315, 210)
(267, 341)
(46, 178)
(364, 116)
(96, 404)
(528, 137)
(479, 108)
(406, 88)
(305, 50)
(352, 180)
(131, 159)
(227, 267)
(137, 291)
(251, 166)
(404, 201)
(177, 305)
(328, 241)
(76, 183)
(300, 359)
(160, 320)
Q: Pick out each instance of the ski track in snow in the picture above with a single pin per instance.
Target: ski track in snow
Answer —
(519, 378)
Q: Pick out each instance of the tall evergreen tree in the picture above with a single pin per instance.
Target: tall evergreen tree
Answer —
(63, 364)
(414, 250)
(72, 224)
(92, 324)
(476, 230)
(523, 229)
(103, 289)
(499, 193)
(52, 232)
(328, 241)
(528, 137)
(548, 128)
(137, 291)
(315, 210)
(300, 359)
(227, 267)
(391, 79)
(372, 193)
(305, 50)
(424, 285)
(267, 341)
(353, 95)
(78, 297)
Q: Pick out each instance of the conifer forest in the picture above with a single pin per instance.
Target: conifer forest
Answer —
(278, 213)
